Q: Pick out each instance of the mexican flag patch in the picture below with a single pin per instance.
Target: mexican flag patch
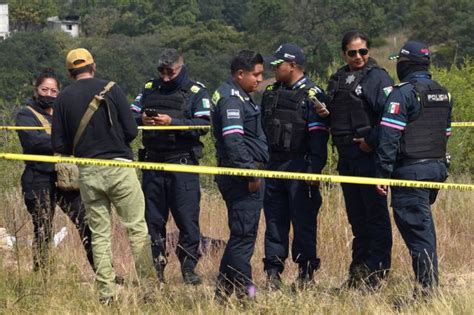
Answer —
(394, 108)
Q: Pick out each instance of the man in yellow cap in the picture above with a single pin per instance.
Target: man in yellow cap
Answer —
(103, 133)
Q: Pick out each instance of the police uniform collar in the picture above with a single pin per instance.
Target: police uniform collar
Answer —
(179, 82)
(238, 91)
(417, 75)
(300, 82)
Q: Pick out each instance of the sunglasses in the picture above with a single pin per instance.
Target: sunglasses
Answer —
(163, 70)
(353, 53)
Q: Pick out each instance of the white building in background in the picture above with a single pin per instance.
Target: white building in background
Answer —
(70, 24)
(4, 25)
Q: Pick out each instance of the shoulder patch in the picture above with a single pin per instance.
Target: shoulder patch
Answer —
(269, 87)
(216, 97)
(394, 108)
(195, 89)
(149, 85)
(206, 103)
(387, 90)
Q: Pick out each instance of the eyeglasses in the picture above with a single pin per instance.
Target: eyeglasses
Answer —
(45, 90)
(168, 70)
(353, 53)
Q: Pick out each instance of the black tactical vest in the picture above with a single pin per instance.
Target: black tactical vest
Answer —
(425, 137)
(284, 120)
(350, 117)
(175, 106)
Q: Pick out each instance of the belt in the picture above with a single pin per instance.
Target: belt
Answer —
(227, 163)
(154, 156)
(407, 162)
(343, 140)
(286, 156)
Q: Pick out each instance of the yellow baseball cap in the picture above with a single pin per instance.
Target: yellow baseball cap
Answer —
(78, 58)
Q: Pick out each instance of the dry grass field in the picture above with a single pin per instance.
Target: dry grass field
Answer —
(70, 288)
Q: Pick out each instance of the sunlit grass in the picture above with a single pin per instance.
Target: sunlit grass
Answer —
(70, 288)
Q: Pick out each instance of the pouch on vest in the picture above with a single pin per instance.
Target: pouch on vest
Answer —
(67, 176)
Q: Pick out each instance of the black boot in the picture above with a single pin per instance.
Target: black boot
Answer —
(190, 277)
(306, 274)
(273, 279)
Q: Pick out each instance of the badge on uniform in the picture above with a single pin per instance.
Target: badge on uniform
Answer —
(206, 103)
(394, 108)
(350, 79)
(233, 114)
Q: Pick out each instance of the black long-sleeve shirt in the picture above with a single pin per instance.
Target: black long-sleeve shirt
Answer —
(34, 141)
(104, 137)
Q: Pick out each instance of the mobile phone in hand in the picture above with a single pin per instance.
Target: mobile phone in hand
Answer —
(151, 112)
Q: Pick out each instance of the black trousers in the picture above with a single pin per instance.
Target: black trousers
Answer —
(243, 208)
(413, 217)
(180, 194)
(369, 218)
(41, 197)
(290, 202)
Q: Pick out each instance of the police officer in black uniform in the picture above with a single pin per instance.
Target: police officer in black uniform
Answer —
(173, 99)
(240, 142)
(358, 91)
(414, 130)
(297, 139)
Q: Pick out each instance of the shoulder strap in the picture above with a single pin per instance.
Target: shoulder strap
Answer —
(44, 122)
(91, 109)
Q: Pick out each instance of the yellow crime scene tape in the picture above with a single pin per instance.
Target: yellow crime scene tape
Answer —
(462, 124)
(139, 127)
(454, 124)
(237, 172)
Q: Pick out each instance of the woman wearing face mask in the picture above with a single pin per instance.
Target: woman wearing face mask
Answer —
(358, 92)
(38, 179)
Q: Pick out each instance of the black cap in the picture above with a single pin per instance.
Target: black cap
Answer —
(415, 51)
(287, 52)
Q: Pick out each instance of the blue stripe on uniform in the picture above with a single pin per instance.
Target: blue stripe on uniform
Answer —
(204, 112)
(393, 121)
(316, 124)
(233, 127)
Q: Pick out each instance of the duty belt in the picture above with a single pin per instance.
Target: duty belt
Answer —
(343, 140)
(154, 156)
(228, 163)
(407, 162)
(286, 156)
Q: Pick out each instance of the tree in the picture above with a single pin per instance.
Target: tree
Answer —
(25, 55)
(27, 15)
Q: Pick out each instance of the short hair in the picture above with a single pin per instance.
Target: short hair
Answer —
(47, 73)
(75, 72)
(169, 57)
(351, 35)
(245, 60)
